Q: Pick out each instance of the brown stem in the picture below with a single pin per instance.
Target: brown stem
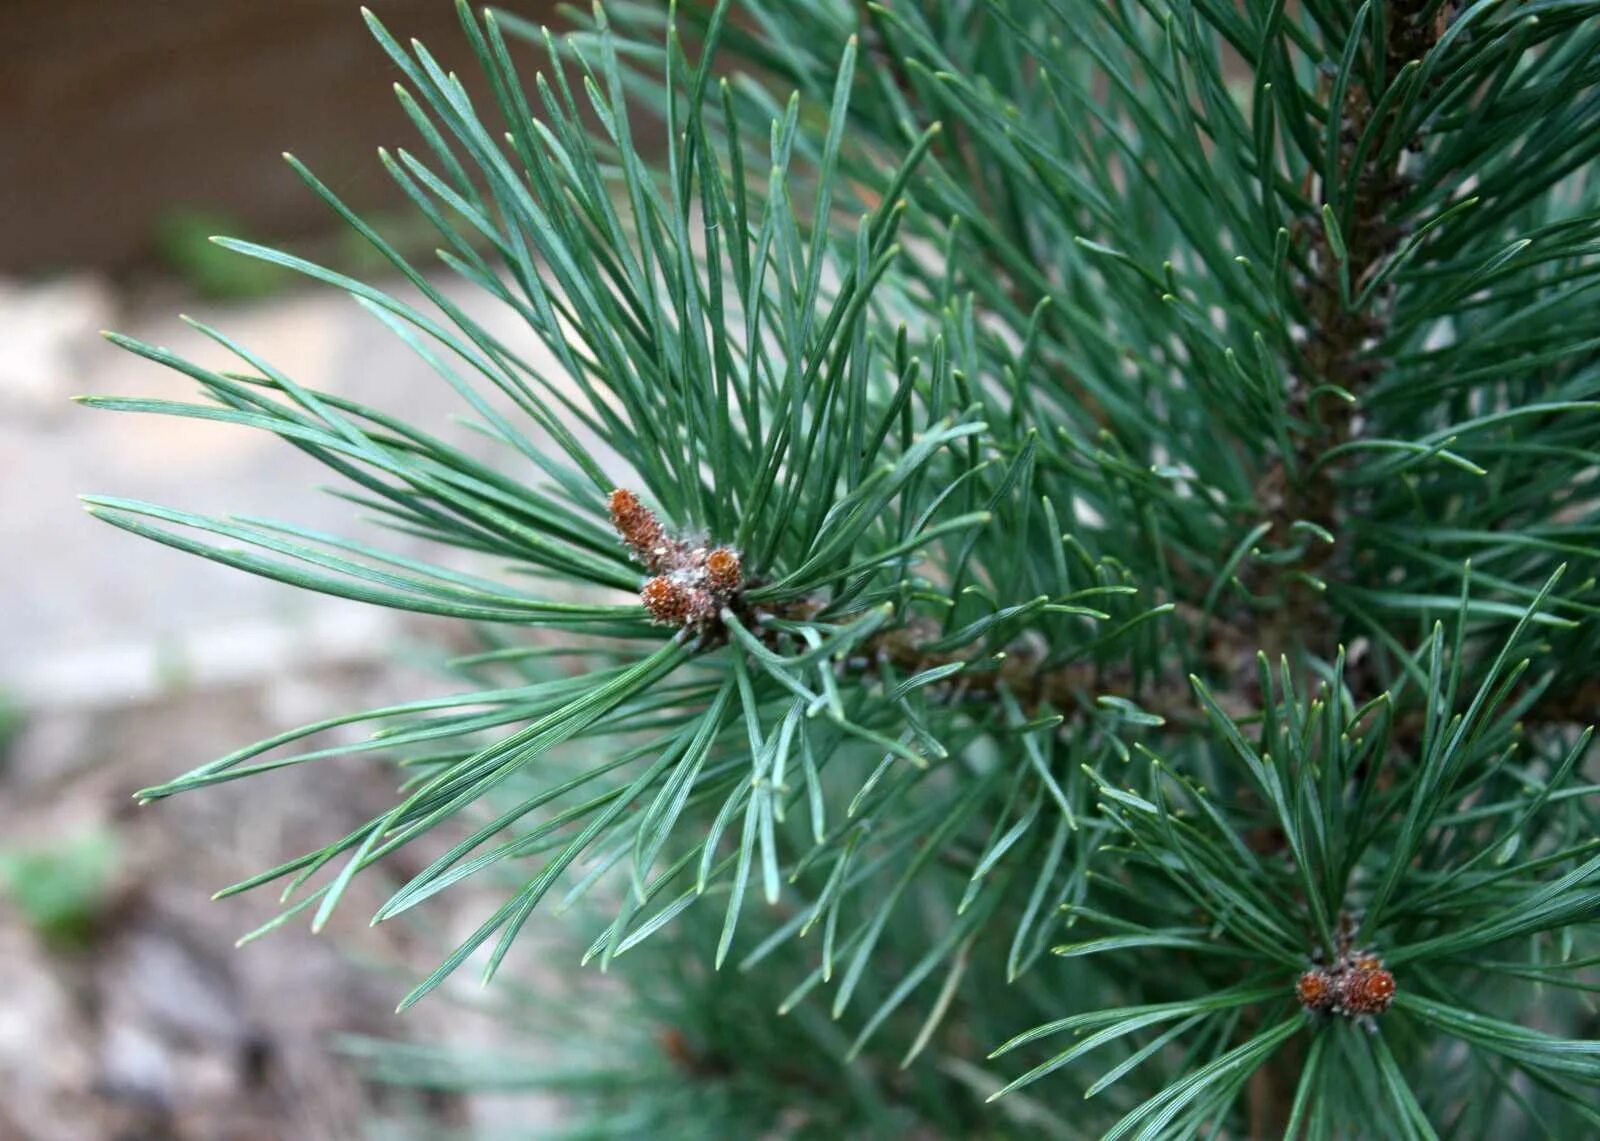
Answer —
(1337, 349)
(1339, 339)
(1072, 686)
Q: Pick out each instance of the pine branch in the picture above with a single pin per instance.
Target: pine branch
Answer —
(1349, 244)
(990, 411)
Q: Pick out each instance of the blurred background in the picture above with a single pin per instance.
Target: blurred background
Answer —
(129, 133)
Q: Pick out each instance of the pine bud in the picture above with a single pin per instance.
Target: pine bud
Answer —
(722, 571)
(668, 601)
(1317, 990)
(640, 529)
(1356, 985)
(673, 602)
(1366, 991)
(691, 585)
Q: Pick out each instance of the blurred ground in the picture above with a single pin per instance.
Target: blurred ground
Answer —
(136, 1017)
(125, 1011)
(133, 131)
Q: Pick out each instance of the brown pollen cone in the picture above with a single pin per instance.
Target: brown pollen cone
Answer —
(1367, 991)
(723, 573)
(1316, 990)
(668, 602)
(639, 528)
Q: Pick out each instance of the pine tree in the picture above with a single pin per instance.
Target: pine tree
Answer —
(1103, 615)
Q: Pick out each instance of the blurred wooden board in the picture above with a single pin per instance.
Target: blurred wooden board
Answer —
(118, 115)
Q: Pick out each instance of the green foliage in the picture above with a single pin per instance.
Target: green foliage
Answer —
(12, 721)
(183, 242)
(1106, 405)
(60, 888)
(1472, 850)
(678, 1052)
